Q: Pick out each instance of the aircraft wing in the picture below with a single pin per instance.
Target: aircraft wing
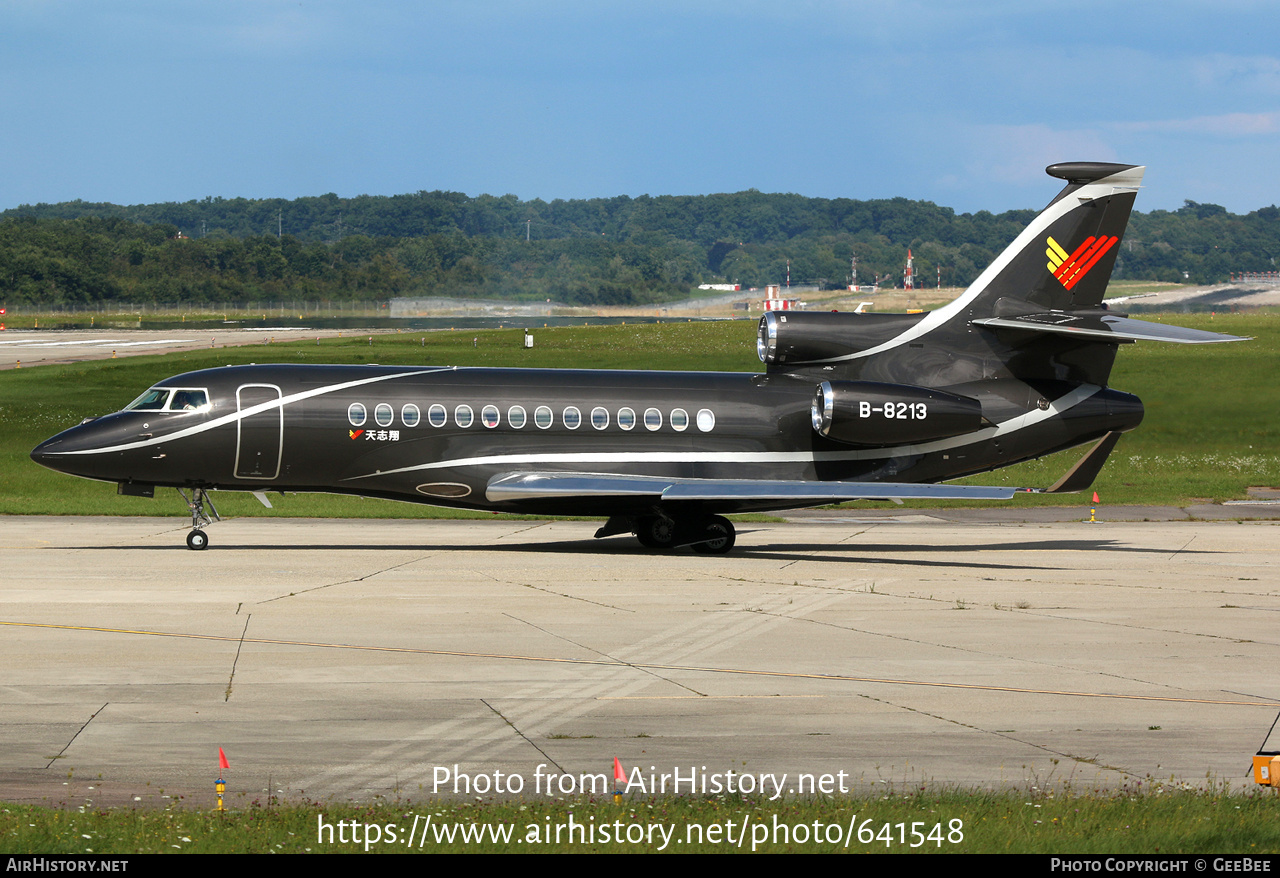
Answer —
(541, 486)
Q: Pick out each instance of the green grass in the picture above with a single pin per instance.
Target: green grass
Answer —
(1210, 431)
(1161, 819)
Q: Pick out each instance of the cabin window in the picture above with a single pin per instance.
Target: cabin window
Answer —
(516, 417)
(489, 416)
(571, 417)
(679, 420)
(151, 401)
(543, 417)
(600, 418)
(463, 416)
(410, 415)
(437, 416)
(626, 418)
(652, 419)
(384, 414)
(356, 414)
(706, 420)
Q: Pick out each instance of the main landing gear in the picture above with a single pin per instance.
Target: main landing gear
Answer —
(198, 540)
(707, 535)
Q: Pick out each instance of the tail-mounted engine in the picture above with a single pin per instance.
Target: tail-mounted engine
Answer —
(814, 338)
(872, 414)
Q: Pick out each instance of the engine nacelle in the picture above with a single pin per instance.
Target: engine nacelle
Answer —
(813, 337)
(873, 414)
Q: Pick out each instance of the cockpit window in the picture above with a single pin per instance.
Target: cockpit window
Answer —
(182, 399)
(153, 400)
(188, 400)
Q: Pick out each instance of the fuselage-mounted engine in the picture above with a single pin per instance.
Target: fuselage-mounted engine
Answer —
(872, 414)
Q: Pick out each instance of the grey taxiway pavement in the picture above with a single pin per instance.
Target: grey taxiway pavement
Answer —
(358, 659)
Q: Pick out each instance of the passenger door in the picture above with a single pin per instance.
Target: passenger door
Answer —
(260, 435)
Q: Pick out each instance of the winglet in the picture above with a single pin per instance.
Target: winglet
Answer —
(1087, 468)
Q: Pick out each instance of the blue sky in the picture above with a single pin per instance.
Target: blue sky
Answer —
(960, 103)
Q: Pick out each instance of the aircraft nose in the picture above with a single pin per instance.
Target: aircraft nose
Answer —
(65, 452)
(42, 453)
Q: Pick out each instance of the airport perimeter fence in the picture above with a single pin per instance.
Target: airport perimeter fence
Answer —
(315, 307)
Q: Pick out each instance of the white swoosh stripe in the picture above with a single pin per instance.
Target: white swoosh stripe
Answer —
(1122, 182)
(252, 410)
(1004, 428)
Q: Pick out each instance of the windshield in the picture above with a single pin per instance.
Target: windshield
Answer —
(181, 399)
(153, 400)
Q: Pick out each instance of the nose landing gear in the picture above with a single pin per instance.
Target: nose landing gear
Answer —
(198, 540)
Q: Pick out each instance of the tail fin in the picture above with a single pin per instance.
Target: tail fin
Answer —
(1063, 259)
(1035, 314)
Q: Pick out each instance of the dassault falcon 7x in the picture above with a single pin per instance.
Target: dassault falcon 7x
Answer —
(850, 406)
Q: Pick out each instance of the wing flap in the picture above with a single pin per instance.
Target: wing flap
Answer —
(541, 486)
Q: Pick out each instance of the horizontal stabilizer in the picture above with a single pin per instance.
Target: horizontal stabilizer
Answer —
(541, 486)
(1103, 326)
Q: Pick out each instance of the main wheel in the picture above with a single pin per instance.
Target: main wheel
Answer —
(197, 540)
(720, 536)
(656, 533)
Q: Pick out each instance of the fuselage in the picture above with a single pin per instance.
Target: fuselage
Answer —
(440, 435)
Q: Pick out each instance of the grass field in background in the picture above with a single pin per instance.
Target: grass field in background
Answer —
(1211, 428)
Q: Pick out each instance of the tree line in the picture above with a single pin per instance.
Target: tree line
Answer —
(604, 251)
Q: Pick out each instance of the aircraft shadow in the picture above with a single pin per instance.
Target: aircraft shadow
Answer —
(867, 553)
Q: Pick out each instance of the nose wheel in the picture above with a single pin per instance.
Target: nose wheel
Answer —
(198, 540)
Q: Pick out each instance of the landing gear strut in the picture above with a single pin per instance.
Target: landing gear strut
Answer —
(198, 539)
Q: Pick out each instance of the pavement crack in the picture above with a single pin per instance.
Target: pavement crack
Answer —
(524, 530)
(963, 649)
(91, 718)
(559, 594)
(1203, 634)
(236, 660)
(378, 572)
(1183, 549)
(621, 662)
(523, 735)
(1079, 760)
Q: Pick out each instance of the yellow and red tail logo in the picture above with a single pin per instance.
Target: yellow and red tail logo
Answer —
(1069, 269)
(354, 434)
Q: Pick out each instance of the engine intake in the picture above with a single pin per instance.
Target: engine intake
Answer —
(812, 337)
